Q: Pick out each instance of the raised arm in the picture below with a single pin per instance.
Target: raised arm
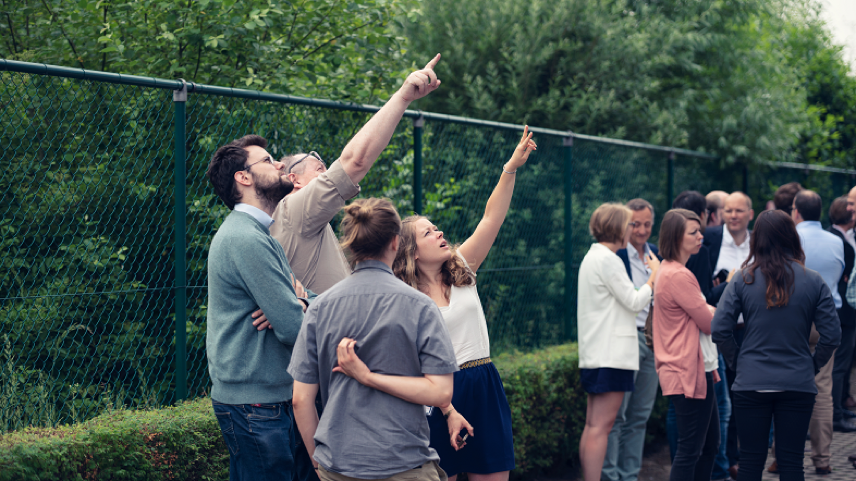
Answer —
(475, 248)
(362, 151)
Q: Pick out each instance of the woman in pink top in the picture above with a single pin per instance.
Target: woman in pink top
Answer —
(680, 316)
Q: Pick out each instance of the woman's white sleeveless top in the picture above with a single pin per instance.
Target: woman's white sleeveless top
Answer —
(467, 325)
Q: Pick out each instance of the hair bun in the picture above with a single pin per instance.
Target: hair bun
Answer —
(360, 212)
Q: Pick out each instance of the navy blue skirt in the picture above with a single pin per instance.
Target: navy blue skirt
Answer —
(606, 379)
(480, 398)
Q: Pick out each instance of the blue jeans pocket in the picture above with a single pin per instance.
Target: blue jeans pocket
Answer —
(228, 430)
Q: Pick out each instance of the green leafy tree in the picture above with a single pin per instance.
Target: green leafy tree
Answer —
(669, 72)
(319, 48)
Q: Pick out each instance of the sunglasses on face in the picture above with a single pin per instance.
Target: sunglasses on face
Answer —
(310, 154)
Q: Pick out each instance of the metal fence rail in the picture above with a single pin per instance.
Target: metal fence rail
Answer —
(106, 219)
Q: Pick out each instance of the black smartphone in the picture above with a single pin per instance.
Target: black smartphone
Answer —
(722, 275)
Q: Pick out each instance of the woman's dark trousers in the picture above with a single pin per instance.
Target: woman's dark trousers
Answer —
(791, 411)
(698, 436)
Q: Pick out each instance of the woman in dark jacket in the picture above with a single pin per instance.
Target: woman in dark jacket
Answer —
(779, 300)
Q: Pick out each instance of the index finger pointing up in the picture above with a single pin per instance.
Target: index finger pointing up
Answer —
(433, 62)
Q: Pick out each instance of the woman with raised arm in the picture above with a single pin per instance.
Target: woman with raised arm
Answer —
(374, 424)
(786, 309)
(607, 305)
(447, 274)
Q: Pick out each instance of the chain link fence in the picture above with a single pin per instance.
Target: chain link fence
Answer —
(106, 218)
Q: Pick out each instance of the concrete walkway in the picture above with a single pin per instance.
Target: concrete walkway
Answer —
(656, 464)
(843, 445)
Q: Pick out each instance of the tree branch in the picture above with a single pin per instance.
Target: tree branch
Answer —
(104, 55)
(70, 43)
(291, 29)
(311, 30)
(12, 30)
(327, 42)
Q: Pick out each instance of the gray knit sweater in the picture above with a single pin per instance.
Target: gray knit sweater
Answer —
(247, 270)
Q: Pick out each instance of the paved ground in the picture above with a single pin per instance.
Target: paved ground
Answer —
(843, 445)
(656, 465)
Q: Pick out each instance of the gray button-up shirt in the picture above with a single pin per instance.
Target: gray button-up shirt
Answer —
(365, 433)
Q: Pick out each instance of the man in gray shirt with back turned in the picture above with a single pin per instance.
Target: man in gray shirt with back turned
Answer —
(401, 333)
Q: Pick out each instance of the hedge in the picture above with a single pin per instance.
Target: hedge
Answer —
(184, 443)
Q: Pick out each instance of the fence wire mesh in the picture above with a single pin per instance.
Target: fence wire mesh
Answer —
(88, 226)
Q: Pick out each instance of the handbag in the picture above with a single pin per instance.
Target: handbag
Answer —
(649, 327)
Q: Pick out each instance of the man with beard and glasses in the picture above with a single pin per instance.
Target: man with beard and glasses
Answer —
(248, 271)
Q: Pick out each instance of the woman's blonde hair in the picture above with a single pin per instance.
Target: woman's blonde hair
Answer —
(367, 229)
(609, 222)
(454, 271)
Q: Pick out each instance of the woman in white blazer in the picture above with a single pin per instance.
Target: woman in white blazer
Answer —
(607, 305)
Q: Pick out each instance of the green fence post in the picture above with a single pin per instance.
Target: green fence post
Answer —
(670, 181)
(568, 143)
(418, 123)
(179, 99)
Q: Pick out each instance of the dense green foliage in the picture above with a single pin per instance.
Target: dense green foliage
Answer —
(739, 78)
(318, 48)
(184, 443)
(177, 443)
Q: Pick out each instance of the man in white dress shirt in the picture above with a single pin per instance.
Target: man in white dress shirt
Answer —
(728, 246)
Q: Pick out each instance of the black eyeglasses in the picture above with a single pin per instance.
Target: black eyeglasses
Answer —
(311, 153)
(266, 159)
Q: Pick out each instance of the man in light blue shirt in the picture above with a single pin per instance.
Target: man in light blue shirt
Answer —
(824, 253)
(624, 451)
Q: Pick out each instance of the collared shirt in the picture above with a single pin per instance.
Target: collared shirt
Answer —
(257, 214)
(731, 255)
(639, 275)
(366, 433)
(824, 253)
(303, 229)
(849, 235)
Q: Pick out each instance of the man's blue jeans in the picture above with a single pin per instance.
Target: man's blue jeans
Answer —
(624, 452)
(723, 400)
(260, 438)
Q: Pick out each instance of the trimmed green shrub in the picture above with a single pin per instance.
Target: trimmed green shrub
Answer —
(548, 408)
(180, 443)
(184, 443)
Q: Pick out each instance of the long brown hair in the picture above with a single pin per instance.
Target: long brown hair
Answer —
(368, 227)
(773, 245)
(672, 231)
(454, 271)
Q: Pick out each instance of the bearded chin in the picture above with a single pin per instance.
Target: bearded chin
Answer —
(271, 194)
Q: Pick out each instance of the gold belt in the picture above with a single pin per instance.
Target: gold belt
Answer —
(477, 362)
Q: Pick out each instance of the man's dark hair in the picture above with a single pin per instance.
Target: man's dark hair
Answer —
(690, 200)
(838, 213)
(638, 204)
(229, 159)
(808, 203)
(784, 196)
